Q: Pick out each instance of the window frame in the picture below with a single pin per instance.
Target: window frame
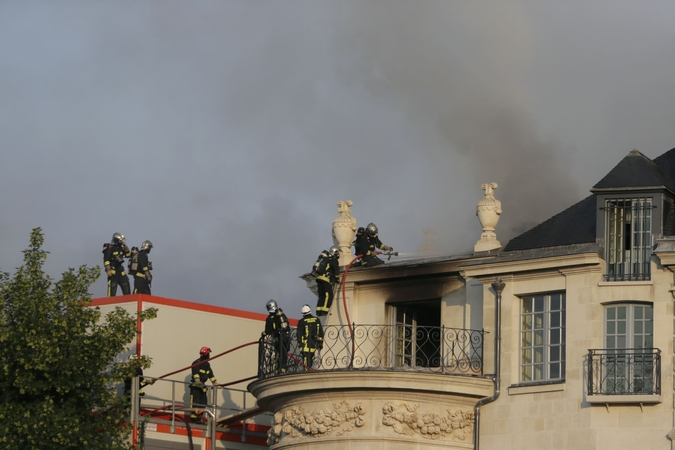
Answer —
(528, 338)
(628, 233)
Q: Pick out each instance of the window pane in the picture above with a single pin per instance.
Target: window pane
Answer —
(555, 320)
(611, 313)
(539, 372)
(638, 312)
(538, 321)
(555, 354)
(527, 322)
(555, 371)
(611, 327)
(555, 302)
(637, 343)
(527, 339)
(555, 337)
(527, 373)
(611, 342)
(621, 342)
(637, 327)
(621, 312)
(538, 354)
(621, 327)
(539, 304)
(539, 337)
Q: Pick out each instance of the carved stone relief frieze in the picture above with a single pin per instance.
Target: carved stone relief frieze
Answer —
(407, 419)
(296, 422)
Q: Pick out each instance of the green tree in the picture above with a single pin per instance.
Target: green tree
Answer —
(59, 360)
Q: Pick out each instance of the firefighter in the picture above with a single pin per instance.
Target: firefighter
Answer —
(201, 372)
(113, 264)
(326, 273)
(366, 244)
(276, 336)
(140, 268)
(138, 371)
(310, 336)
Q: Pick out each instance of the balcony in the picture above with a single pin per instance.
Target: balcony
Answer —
(378, 347)
(624, 375)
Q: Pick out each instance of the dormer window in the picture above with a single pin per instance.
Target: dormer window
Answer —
(628, 238)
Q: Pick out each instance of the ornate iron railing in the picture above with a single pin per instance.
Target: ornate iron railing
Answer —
(377, 347)
(632, 371)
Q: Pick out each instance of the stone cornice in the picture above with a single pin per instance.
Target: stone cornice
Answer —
(538, 264)
(289, 386)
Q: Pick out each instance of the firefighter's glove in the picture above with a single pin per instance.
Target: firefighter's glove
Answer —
(141, 394)
(150, 380)
(109, 273)
(386, 248)
(148, 276)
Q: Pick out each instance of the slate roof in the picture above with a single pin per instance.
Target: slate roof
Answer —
(576, 224)
(636, 171)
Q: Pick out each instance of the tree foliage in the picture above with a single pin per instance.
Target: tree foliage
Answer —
(58, 360)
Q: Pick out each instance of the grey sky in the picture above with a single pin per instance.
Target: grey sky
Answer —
(226, 131)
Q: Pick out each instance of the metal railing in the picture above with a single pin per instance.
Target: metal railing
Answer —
(632, 371)
(173, 407)
(377, 347)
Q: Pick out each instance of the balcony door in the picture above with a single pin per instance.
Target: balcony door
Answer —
(629, 340)
(417, 334)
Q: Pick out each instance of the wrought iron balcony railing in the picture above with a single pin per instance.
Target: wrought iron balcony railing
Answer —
(377, 347)
(632, 371)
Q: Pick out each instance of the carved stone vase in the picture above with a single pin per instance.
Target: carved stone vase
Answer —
(488, 211)
(344, 230)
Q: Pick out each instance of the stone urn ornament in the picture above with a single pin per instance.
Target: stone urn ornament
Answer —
(344, 230)
(488, 211)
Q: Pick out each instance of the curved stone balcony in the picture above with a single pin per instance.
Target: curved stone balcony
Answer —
(374, 386)
(376, 347)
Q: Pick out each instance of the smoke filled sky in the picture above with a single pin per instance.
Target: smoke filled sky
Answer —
(226, 131)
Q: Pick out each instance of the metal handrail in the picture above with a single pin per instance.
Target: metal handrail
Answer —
(631, 371)
(378, 347)
(173, 405)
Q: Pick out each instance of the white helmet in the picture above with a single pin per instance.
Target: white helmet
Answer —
(272, 307)
(306, 310)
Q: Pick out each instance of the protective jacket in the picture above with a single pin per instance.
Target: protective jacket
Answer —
(142, 275)
(202, 372)
(328, 269)
(141, 380)
(276, 324)
(310, 334)
(113, 264)
(366, 245)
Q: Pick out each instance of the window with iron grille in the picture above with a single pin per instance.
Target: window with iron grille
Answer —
(542, 337)
(628, 238)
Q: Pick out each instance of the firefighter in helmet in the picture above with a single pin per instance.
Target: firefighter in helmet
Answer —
(113, 264)
(276, 337)
(366, 244)
(310, 336)
(201, 373)
(140, 268)
(327, 272)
